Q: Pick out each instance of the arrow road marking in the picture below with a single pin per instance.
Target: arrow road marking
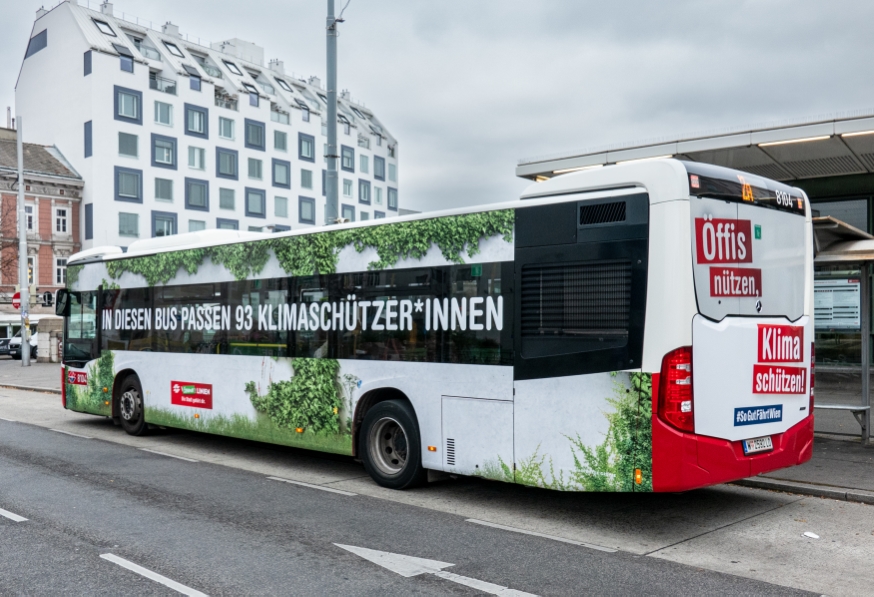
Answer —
(409, 566)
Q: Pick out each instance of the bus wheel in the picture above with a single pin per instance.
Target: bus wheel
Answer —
(390, 445)
(130, 407)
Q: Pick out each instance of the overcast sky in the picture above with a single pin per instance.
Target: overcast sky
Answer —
(469, 87)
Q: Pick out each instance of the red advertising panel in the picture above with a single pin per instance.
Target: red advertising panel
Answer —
(735, 281)
(723, 240)
(771, 379)
(188, 393)
(77, 378)
(781, 343)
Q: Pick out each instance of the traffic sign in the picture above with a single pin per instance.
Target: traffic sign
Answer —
(16, 300)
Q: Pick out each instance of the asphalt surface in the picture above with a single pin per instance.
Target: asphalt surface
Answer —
(222, 530)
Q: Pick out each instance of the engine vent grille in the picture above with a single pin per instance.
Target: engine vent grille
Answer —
(577, 299)
(602, 213)
(450, 452)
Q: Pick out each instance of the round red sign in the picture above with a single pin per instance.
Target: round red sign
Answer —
(16, 300)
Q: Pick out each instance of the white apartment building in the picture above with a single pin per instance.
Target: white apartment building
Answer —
(173, 136)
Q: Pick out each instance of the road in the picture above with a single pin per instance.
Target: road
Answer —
(220, 525)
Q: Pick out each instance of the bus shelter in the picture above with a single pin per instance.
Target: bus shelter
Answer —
(842, 309)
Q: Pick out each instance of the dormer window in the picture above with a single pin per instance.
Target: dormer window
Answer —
(174, 49)
(104, 27)
(233, 68)
(324, 98)
(284, 85)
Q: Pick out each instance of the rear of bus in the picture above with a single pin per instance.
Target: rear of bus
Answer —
(735, 398)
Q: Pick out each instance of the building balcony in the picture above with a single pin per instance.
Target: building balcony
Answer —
(226, 103)
(280, 117)
(150, 53)
(164, 85)
(267, 88)
(211, 70)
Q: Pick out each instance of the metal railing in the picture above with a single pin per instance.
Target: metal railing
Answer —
(267, 88)
(161, 84)
(150, 53)
(228, 104)
(280, 117)
(211, 70)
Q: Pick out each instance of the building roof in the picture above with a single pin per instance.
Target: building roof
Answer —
(39, 160)
(825, 146)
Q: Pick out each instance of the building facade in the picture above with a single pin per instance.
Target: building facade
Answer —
(52, 195)
(174, 136)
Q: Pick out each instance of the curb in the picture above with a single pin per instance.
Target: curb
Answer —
(31, 388)
(834, 493)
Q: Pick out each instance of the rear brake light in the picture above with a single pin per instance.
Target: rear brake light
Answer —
(812, 376)
(676, 396)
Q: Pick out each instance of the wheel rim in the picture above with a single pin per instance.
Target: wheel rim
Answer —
(127, 404)
(388, 446)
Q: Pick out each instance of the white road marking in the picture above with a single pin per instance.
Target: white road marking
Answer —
(312, 486)
(545, 536)
(11, 516)
(7, 420)
(152, 575)
(68, 433)
(169, 455)
(408, 566)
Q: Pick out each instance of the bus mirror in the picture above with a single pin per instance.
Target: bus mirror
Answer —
(62, 302)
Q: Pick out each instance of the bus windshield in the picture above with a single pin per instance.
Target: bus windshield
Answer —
(81, 334)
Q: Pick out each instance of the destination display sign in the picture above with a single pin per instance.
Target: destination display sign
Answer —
(717, 183)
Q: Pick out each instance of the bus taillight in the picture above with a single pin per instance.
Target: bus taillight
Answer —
(676, 398)
(812, 376)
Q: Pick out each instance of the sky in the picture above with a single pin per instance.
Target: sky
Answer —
(470, 87)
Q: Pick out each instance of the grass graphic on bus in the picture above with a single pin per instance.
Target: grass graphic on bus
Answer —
(608, 466)
(91, 398)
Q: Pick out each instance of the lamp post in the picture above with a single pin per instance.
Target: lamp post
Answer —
(22, 250)
(331, 178)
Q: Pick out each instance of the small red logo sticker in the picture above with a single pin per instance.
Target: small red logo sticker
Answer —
(78, 378)
(781, 343)
(189, 393)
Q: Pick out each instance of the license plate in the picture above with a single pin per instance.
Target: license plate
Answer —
(758, 444)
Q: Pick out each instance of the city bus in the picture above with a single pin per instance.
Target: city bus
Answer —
(638, 327)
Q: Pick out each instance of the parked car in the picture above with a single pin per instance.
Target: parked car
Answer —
(15, 347)
(4, 346)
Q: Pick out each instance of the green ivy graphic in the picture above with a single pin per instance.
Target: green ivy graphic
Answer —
(91, 398)
(73, 274)
(311, 400)
(310, 254)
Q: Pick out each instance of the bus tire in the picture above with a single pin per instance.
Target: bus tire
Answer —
(130, 406)
(390, 446)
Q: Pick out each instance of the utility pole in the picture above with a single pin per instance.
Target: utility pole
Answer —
(331, 179)
(22, 250)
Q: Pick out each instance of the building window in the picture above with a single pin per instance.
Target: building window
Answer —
(254, 99)
(377, 195)
(226, 128)
(226, 199)
(379, 140)
(104, 28)
(128, 225)
(364, 164)
(174, 49)
(196, 121)
(305, 114)
(306, 179)
(347, 187)
(378, 168)
(127, 145)
(127, 64)
(233, 68)
(89, 221)
(306, 210)
(281, 228)
(197, 158)
(196, 225)
(128, 184)
(256, 203)
(163, 223)
(364, 191)
(196, 194)
(280, 140)
(164, 113)
(347, 161)
(284, 85)
(163, 151)
(281, 174)
(393, 199)
(306, 147)
(223, 224)
(363, 216)
(60, 271)
(87, 63)
(363, 142)
(163, 189)
(194, 83)
(255, 137)
(348, 212)
(393, 172)
(28, 215)
(128, 105)
(280, 207)
(255, 169)
(61, 220)
(226, 163)
(378, 215)
(88, 139)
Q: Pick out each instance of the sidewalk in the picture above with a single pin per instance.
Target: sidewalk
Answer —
(841, 468)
